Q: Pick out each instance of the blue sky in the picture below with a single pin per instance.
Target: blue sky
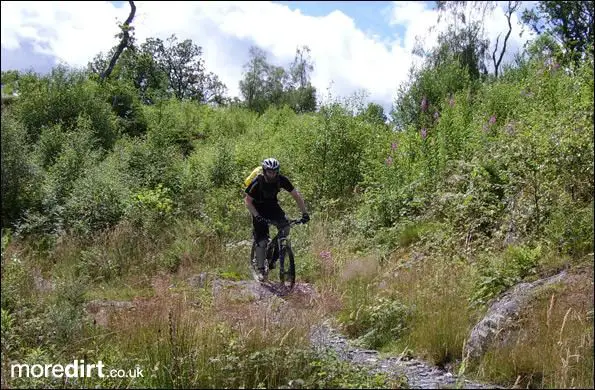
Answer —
(370, 16)
(355, 46)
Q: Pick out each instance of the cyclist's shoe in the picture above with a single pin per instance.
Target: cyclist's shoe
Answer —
(254, 269)
(261, 276)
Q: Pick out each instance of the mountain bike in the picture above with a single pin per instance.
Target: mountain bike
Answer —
(277, 249)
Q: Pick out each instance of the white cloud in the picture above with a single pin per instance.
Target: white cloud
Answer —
(420, 20)
(72, 31)
(76, 31)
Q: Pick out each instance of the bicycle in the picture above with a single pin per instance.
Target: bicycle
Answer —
(276, 250)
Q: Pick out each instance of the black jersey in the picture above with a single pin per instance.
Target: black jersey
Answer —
(265, 193)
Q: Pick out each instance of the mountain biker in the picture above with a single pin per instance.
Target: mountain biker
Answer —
(261, 201)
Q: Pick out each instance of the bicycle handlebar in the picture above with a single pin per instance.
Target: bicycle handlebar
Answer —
(291, 222)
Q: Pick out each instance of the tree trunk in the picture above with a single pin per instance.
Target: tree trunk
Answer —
(123, 43)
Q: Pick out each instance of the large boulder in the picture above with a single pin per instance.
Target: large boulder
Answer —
(503, 312)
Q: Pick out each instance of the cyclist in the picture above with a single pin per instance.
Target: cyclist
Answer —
(261, 201)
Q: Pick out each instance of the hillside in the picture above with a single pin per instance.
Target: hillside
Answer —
(121, 214)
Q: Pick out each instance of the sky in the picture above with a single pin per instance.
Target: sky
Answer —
(355, 46)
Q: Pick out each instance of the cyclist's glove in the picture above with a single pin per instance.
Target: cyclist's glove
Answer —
(305, 218)
(260, 219)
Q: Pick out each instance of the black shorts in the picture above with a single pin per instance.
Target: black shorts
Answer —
(273, 213)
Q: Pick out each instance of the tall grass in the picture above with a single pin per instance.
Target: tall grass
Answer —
(552, 345)
(435, 289)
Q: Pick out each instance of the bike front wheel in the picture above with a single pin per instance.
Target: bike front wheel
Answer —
(288, 276)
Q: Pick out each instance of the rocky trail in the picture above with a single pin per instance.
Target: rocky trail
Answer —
(277, 303)
(419, 374)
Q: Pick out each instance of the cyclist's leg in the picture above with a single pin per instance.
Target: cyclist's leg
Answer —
(260, 236)
(282, 224)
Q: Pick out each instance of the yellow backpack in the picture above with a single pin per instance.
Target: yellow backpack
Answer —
(255, 172)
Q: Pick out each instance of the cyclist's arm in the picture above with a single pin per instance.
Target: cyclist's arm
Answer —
(298, 199)
(248, 201)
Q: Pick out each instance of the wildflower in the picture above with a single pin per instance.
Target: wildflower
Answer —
(389, 161)
(451, 101)
(492, 120)
(424, 133)
(393, 146)
(424, 104)
(326, 255)
(436, 116)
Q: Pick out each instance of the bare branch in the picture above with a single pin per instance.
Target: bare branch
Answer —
(494, 54)
(512, 7)
(123, 43)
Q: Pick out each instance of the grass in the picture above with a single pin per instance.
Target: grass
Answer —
(435, 289)
(184, 336)
(552, 344)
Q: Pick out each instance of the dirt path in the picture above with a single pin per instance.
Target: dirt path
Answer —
(420, 374)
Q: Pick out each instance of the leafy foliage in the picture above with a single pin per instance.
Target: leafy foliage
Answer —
(570, 23)
(106, 183)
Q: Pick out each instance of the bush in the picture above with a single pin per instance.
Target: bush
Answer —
(97, 201)
(385, 321)
(60, 98)
(19, 173)
(499, 273)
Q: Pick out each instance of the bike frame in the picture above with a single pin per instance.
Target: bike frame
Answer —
(275, 243)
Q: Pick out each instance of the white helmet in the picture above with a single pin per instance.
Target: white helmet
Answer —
(270, 163)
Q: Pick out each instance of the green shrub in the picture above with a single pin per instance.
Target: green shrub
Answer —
(385, 321)
(499, 273)
(19, 173)
(97, 201)
(60, 98)
(150, 209)
(571, 230)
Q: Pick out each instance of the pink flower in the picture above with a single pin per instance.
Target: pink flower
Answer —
(436, 115)
(424, 104)
(424, 133)
(393, 146)
(326, 255)
(492, 120)
(451, 101)
(389, 161)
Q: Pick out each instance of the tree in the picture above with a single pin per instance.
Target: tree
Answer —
(253, 85)
(160, 69)
(374, 113)
(465, 38)
(301, 68)
(511, 8)
(183, 64)
(303, 94)
(276, 85)
(265, 84)
(126, 40)
(570, 23)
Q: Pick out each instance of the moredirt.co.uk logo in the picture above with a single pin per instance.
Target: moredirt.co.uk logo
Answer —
(76, 369)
